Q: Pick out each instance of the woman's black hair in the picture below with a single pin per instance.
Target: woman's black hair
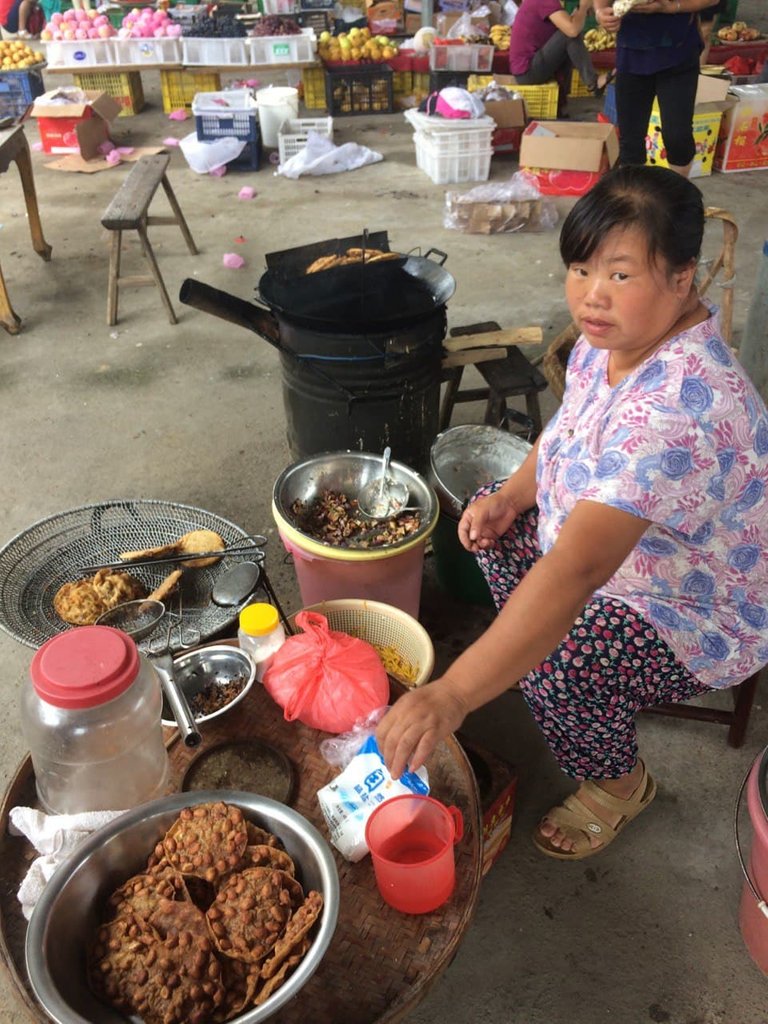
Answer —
(664, 205)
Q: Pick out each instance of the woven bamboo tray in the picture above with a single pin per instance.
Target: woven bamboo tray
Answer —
(380, 963)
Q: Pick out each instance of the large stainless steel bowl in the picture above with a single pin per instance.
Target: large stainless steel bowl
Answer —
(348, 472)
(69, 910)
(466, 457)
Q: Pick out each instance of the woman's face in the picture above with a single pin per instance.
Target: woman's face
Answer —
(620, 300)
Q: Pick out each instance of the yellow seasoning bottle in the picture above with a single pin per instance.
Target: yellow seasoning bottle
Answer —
(261, 634)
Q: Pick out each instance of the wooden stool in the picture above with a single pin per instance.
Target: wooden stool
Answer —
(128, 212)
(509, 376)
(736, 720)
(14, 148)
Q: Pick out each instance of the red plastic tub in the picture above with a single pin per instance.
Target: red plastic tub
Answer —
(752, 919)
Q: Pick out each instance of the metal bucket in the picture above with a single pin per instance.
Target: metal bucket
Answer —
(465, 458)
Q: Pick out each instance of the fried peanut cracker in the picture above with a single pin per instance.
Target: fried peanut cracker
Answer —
(181, 984)
(260, 837)
(141, 894)
(240, 981)
(207, 841)
(182, 919)
(294, 889)
(298, 926)
(268, 857)
(116, 960)
(249, 913)
(277, 979)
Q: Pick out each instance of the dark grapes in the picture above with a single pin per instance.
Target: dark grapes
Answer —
(275, 25)
(217, 27)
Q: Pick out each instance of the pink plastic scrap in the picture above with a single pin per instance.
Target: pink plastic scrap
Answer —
(240, 240)
(113, 157)
(218, 172)
(178, 115)
(125, 150)
(232, 261)
(246, 192)
(170, 141)
(106, 147)
(37, 147)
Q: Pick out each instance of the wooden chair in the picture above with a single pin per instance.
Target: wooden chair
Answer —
(506, 371)
(723, 272)
(128, 211)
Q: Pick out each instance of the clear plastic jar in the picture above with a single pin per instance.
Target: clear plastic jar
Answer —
(261, 634)
(91, 717)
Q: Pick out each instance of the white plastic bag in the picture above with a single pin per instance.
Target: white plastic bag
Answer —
(500, 206)
(321, 156)
(204, 157)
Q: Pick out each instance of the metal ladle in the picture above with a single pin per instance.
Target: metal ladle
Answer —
(385, 497)
(138, 619)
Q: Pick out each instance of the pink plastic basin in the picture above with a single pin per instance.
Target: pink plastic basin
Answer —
(753, 923)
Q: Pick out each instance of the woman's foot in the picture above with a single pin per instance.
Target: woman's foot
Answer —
(592, 818)
(602, 82)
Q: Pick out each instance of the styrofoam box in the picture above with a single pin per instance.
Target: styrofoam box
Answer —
(147, 51)
(77, 53)
(213, 52)
(283, 49)
(280, 6)
(470, 162)
(292, 134)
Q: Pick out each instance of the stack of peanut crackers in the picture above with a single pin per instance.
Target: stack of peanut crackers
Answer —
(212, 928)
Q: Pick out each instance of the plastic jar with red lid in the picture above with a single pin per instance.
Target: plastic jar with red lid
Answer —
(91, 716)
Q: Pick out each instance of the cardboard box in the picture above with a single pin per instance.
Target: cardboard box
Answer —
(79, 127)
(506, 113)
(711, 102)
(497, 784)
(568, 157)
(743, 141)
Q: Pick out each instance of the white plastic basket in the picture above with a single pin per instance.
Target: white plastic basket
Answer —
(147, 51)
(280, 6)
(437, 126)
(76, 53)
(292, 135)
(449, 160)
(213, 52)
(466, 57)
(283, 49)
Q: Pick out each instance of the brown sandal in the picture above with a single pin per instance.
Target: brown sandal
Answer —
(579, 821)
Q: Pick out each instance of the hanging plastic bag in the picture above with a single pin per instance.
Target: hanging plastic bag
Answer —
(325, 679)
(348, 801)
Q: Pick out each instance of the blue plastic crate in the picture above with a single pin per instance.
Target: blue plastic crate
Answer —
(212, 123)
(609, 103)
(19, 89)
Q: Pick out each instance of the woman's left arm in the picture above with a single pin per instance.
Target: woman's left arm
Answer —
(593, 543)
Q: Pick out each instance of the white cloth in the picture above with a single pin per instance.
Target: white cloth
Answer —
(321, 156)
(54, 836)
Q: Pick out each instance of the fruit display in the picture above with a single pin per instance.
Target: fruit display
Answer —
(500, 36)
(17, 56)
(599, 39)
(357, 46)
(81, 25)
(224, 26)
(274, 25)
(148, 24)
(738, 32)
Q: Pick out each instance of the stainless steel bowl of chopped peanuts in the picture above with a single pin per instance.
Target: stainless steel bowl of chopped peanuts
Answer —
(197, 907)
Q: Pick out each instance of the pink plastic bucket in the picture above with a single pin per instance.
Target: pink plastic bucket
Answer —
(395, 580)
(752, 920)
(411, 839)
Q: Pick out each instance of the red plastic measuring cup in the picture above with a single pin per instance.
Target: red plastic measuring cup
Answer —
(411, 839)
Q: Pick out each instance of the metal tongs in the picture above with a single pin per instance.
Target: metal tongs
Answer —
(255, 547)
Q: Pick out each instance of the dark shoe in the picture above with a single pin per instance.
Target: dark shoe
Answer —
(600, 89)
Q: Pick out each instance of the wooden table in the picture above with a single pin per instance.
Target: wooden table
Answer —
(15, 148)
(380, 963)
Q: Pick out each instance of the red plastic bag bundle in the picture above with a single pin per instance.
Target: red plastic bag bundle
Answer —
(325, 679)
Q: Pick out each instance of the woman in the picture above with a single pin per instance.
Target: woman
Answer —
(21, 19)
(657, 56)
(627, 556)
(545, 43)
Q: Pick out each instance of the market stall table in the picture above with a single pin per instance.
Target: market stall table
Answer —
(380, 963)
(14, 148)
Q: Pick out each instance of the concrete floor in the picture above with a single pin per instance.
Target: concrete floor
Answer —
(193, 413)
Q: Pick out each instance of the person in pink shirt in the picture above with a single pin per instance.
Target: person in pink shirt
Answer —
(627, 555)
(546, 43)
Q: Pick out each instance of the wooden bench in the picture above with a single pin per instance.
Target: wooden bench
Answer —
(128, 212)
(505, 370)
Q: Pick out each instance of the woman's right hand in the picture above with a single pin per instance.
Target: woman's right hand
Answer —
(485, 520)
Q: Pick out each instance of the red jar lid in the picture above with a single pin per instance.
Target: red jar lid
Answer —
(85, 667)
